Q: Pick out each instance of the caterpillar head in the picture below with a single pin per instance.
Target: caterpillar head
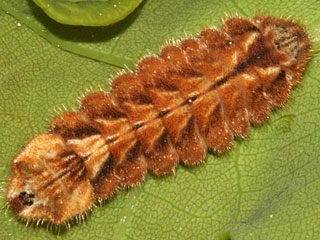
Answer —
(49, 182)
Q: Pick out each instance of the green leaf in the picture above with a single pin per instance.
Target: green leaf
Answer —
(88, 12)
(266, 187)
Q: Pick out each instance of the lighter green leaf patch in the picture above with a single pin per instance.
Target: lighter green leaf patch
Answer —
(88, 12)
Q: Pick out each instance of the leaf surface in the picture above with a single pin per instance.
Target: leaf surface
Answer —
(266, 187)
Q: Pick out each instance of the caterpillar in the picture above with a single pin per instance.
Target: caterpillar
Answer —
(198, 94)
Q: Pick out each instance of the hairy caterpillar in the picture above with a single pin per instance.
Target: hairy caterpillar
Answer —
(197, 95)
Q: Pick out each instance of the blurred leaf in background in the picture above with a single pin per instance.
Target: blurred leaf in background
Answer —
(266, 187)
(88, 12)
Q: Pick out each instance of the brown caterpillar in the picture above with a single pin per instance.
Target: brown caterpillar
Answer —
(197, 95)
